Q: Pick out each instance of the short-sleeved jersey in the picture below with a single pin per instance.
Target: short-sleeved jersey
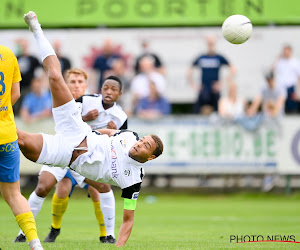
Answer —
(108, 161)
(115, 113)
(210, 66)
(9, 74)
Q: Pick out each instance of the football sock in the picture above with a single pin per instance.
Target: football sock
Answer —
(27, 224)
(100, 218)
(59, 207)
(45, 47)
(36, 204)
(107, 202)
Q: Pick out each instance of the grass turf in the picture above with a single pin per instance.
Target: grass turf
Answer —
(171, 221)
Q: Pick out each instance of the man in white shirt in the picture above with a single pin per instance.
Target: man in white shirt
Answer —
(111, 157)
(287, 74)
(140, 85)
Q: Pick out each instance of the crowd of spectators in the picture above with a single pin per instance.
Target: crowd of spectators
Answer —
(145, 85)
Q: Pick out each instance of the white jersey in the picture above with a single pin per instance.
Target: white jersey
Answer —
(115, 113)
(108, 160)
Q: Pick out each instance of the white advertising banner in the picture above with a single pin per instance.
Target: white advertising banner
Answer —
(200, 145)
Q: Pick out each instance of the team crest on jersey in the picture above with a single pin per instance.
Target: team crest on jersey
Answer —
(135, 195)
(123, 143)
(127, 172)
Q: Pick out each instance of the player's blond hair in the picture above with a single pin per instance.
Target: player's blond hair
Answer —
(77, 72)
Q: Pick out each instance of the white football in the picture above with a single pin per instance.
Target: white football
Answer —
(237, 29)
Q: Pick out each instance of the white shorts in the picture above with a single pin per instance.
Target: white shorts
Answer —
(70, 132)
(59, 174)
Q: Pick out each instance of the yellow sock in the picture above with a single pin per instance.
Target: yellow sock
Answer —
(27, 224)
(100, 218)
(59, 207)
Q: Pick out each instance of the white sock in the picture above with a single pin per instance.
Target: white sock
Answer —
(43, 44)
(35, 203)
(107, 204)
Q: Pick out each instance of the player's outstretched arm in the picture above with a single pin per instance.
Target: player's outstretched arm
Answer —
(126, 227)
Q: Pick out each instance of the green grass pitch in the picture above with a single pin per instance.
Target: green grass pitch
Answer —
(171, 221)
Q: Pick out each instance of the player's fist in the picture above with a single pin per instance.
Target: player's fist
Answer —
(91, 115)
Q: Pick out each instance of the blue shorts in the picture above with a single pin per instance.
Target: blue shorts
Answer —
(10, 162)
(74, 183)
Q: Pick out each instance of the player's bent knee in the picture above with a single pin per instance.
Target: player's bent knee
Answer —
(43, 190)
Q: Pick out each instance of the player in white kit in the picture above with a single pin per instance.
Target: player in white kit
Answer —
(113, 157)
(99, 111)
(96, 110)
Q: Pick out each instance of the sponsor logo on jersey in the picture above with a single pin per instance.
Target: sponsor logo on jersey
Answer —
(3, 108)
(135, 195)
(127, 172)
(114, 169)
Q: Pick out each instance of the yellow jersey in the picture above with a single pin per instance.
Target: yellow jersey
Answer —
(9, 74)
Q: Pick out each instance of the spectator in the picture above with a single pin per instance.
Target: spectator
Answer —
(118, 68)
(271, 99)
(287, 74)
(231, 106)
(140, 85)
(105, 61)
(65, 63)
(37, 104)
(210, 64)
(28, 64)
(146, 52)
(154, 105)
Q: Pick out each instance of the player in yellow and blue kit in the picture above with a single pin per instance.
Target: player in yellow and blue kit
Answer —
(10, 78)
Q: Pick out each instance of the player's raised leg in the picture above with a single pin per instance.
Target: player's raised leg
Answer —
(60, 92)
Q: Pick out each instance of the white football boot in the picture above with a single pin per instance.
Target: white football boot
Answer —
(32, 21)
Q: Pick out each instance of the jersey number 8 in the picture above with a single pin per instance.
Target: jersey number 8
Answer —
(2, 89)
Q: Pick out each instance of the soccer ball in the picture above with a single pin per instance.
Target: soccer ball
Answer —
(237, 29)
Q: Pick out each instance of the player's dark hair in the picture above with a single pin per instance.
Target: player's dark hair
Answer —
(159, 145)
(114, 78)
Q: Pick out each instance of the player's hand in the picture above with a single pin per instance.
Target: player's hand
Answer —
(91, 115)
(111, 125)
